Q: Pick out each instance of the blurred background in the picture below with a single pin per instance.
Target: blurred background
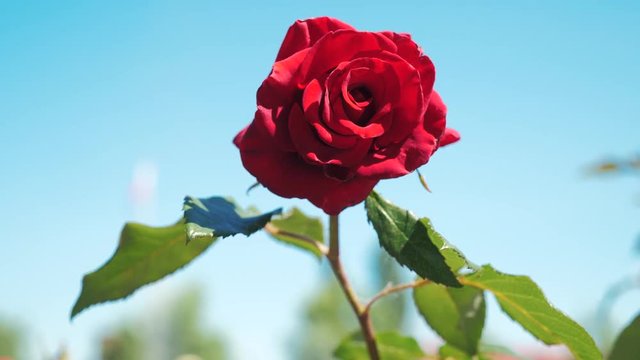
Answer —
(114, 111)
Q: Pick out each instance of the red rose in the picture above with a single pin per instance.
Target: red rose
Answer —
(341, 110)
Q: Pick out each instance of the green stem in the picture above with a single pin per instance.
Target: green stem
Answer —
(274, 230)
(389, 289)
(361, 311)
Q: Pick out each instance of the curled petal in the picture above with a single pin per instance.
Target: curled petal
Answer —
(411, 52)
(435, 118)
(367, 118)
(449, 137)
(339, 46)
(304, 33)
(287, 175)
(279, 88)
(269, 123)
(311, 100)
(318, 152)
(402, 158)
(395, 89)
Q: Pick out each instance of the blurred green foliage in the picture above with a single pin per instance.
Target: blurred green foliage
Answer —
(125, 343)
(327, 317)
(623, 345)
(177, 333)
(11, 339)
(186, 333)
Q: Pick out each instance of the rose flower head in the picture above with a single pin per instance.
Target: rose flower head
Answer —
(341, 110)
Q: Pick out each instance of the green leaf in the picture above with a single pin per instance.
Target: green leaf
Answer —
(454, 258)
(450, 352)
(296, 222)
(525, 303)
(393, 224)
(413, 242)
(391, 346)
(491, 351)
(456, 314)
(218, 217)
(422, 255)
(627, 345)
(145, 254)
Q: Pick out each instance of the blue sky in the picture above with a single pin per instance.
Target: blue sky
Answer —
(538, 89)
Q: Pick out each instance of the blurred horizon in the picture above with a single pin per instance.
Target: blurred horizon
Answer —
(113, 112)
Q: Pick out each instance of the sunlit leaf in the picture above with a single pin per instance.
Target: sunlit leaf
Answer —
(456, 314)
(391, 346)
(145, 254)
(525, 303)
(491, 351)
(627, 345)
(219, 217)
(454, 258)
(413, 242)
(450, 352)
(296, 222)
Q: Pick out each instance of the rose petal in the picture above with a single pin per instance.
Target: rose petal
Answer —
(334, 114)
(435, 118)
(304, 33)
(409, 103)
(279, 88)
(339, 46)
(287, 175)
(400, 159)
(311, 99)
(359, 110)
(394, 84)
(315, 151)
(270, 123)
(411, 52)
(449, 137)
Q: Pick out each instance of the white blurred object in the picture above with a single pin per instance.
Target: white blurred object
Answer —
(189, 357)
(143, 190)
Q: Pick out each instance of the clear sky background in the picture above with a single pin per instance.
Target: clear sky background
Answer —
(88, 89)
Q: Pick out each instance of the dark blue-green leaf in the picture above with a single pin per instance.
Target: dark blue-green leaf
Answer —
(391, 346)
(627, 345)
(220, 217)
(296, 222)
(525, 303)
(413, 242)
(145, 254)
(456, 314)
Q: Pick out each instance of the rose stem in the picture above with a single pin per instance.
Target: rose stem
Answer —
(361, 311)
